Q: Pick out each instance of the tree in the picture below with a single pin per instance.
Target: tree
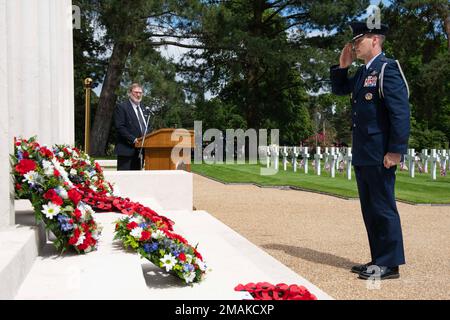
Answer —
(126, 26)
(89, 61)
(417, 38)
(259, 57)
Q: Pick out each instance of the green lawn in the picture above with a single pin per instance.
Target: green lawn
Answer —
(421, 189)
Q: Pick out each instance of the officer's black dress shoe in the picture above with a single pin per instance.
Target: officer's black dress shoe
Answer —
(361, 267)
(381, 273)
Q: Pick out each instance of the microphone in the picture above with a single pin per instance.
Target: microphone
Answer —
(147, 109)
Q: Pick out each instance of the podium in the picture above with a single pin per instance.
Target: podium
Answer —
(158, 146)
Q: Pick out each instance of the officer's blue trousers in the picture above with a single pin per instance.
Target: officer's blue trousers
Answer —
(376, 186)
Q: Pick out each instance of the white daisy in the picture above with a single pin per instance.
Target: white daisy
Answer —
(158, 234)
(61, 192)
(168, 262)
(137, 232)
(80, 239)
(85, 209)
(189, 277)
(201, 264)
(67, 163)
(46, 164)
(50, 210)
(48, 168)
(137, 219)
(61, 154)
(31, 177)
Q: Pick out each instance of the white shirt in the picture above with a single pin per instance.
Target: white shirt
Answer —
(371, 60)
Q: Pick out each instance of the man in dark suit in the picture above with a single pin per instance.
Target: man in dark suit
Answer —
(380, 131)
(130, 124)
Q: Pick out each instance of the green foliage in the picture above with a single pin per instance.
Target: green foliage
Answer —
(89, 61)
(417, 39)
(265, 63)
(424, 138)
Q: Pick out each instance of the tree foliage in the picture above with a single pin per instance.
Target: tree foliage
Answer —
(254, 63)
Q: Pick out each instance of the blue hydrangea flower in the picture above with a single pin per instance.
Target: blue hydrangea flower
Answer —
(64, 223)
(150, 247)
(143, 225)
(187, 267)
(147, 247)
(19, 155)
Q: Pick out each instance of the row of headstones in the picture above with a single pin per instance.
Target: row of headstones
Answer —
(340, 159)
(420, 160)
(335, 159)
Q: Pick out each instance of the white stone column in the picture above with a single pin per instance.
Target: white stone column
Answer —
(40, 75)
(6, 145)
(36, 81)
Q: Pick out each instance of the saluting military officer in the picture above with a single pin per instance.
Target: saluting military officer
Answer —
(380, 131)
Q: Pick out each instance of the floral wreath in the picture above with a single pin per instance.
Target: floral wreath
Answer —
(65, 185)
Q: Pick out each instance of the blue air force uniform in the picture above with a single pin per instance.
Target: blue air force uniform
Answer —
(380, 124)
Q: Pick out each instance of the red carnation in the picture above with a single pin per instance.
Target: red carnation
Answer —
(132, 225)
(57, 200)
(198, 255)
(50, 194)
(98, 168)
(25, 166)
(74, 238)
(18, 186)
(26, 154)
(75, 196)
(45, 152)
(145, 235)
(56, 173)
(77, 214)
(182, 256)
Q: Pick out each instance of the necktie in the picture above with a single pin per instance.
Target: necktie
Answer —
(141, 120)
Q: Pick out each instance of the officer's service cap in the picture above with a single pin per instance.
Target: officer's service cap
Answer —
(361, 28)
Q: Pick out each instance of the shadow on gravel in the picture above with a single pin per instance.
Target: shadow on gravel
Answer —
(312, 255)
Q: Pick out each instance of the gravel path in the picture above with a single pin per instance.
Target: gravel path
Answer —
(321, 237)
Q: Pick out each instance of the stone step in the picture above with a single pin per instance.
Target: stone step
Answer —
(108, 273)
(113, 273)
(232, 258)
(19, 247)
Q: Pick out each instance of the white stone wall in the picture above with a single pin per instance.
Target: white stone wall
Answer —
(6, 205)
(36, 80)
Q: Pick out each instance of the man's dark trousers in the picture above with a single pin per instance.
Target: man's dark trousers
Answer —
(130, 163)
(380, 214)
